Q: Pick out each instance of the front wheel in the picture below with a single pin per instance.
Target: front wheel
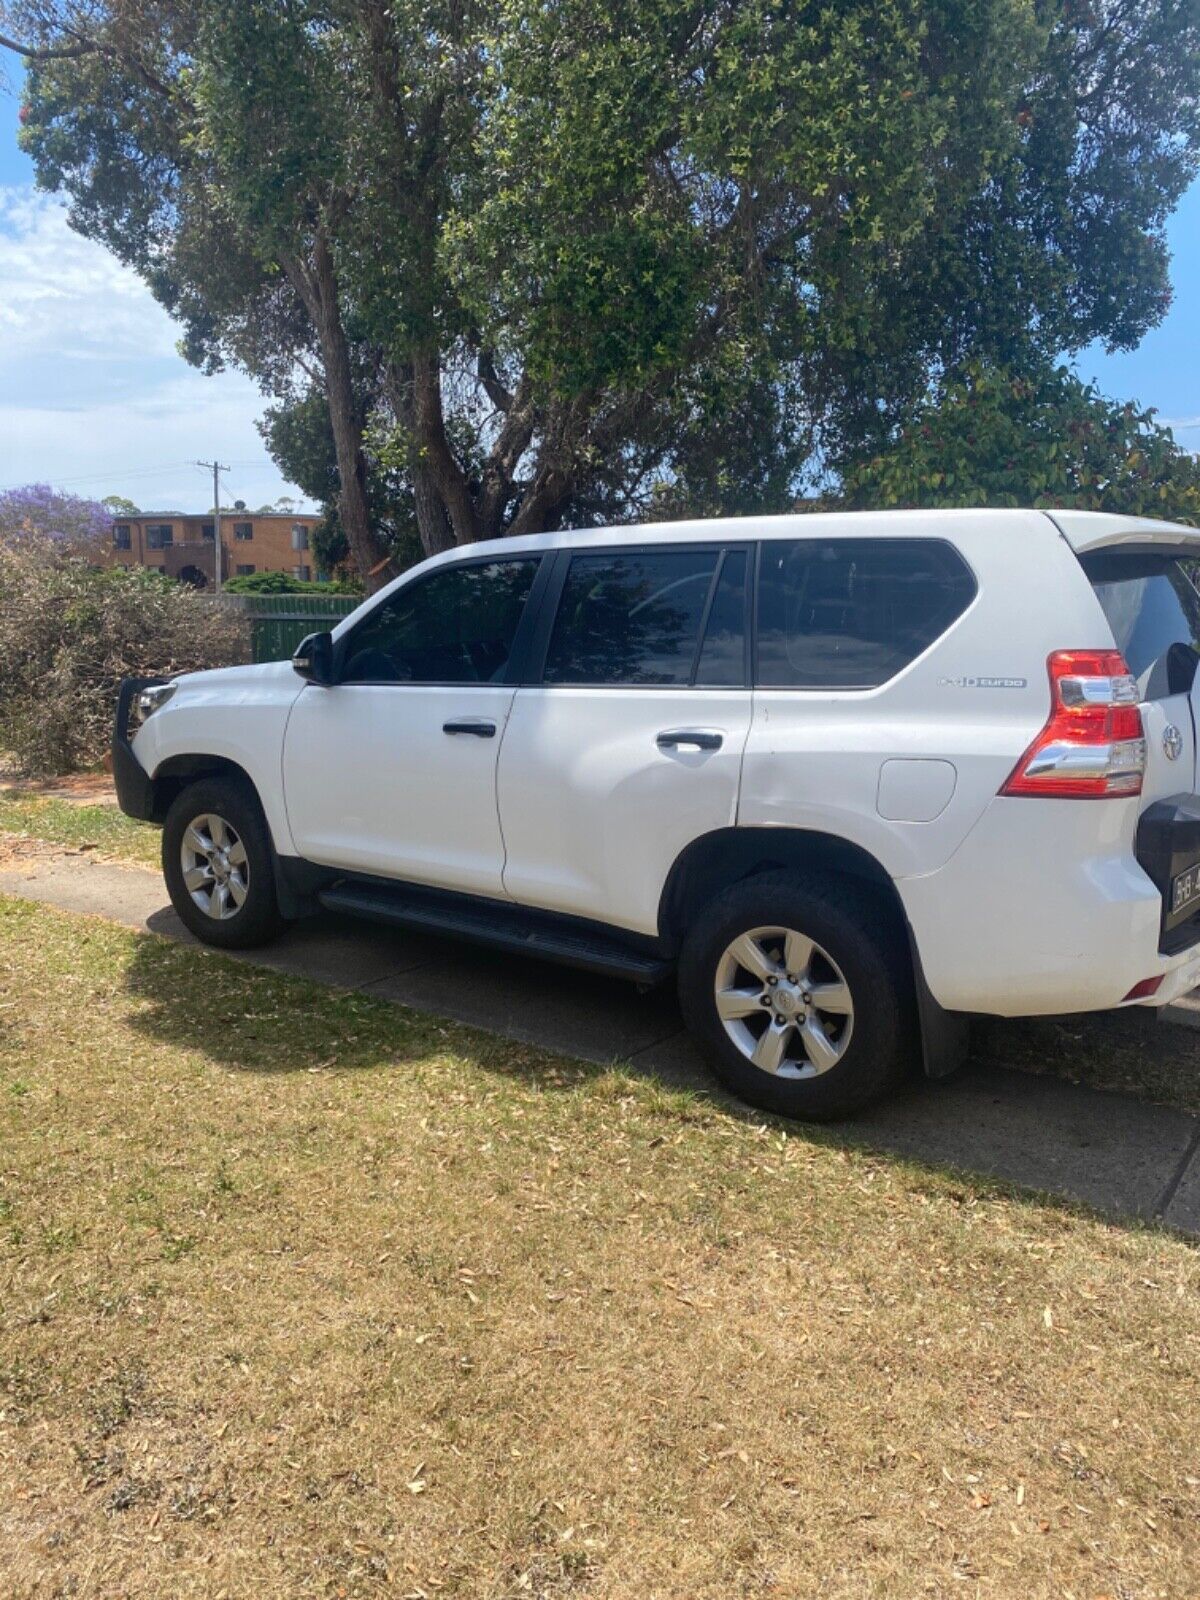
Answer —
(217, 863)
(795, 987)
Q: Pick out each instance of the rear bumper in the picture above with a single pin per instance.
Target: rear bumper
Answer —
(1044, 909)
(1168, 843)
(134, 786)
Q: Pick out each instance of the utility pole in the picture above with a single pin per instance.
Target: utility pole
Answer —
(216, 468)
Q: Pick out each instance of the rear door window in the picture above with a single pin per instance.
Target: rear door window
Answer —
(722, 660)
(1153, 609)
(631, 617)
(852, 613)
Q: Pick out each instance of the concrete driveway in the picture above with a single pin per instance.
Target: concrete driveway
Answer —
(1124, 1156)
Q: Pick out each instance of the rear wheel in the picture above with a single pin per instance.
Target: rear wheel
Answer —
(795, 987)
(217, 864)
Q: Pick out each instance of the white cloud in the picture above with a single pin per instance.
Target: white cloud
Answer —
(92, 393)
(1178, 423)
(61, 293)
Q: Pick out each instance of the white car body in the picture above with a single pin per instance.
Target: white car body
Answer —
(1017, 905)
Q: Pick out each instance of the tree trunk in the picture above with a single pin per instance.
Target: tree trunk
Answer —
(436, 456)
(433, 525)
(318, 287)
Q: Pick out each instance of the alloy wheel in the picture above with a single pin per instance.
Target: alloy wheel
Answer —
(215, 867)
(784, 1002)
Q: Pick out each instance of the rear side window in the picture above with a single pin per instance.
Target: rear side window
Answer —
(1154, 611)
(722, 661)
(632, 618)
(851, 613)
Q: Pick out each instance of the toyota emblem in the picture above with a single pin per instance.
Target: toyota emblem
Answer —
(1172, 742)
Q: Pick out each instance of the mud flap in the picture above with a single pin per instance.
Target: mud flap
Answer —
(945, 1035)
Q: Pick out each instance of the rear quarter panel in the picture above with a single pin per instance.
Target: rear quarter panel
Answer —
(974, 700)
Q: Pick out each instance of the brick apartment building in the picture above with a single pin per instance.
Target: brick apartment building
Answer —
(184, 546)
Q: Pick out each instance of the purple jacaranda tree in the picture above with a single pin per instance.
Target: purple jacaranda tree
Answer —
(38, 510)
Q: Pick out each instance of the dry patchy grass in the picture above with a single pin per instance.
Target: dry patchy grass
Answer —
(57, 819)
(304, 1295)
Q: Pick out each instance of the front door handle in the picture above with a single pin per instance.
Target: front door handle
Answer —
(478, 726)
(693, 738)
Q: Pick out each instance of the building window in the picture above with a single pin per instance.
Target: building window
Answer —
(299, 536)
(121, 536)
(208, 530)
(303, 573)
(245, 569)
(243, 531)
(159, 535)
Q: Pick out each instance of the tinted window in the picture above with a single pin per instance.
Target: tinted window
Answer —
(1154, 613)
(455, 626)
(723, 653)
(850, 613)
(631, 618)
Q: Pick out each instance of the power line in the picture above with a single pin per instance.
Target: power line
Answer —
(128, 475)
(94, 477)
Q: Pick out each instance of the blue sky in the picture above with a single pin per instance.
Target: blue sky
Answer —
(94, 397)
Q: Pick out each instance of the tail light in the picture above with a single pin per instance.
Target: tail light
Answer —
(1093, 747)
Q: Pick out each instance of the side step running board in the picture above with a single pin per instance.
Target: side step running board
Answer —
(501, 929)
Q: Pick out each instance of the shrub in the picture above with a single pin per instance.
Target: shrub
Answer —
(283, 583)
(69, 633)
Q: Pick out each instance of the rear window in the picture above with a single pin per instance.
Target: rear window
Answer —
(851, 613)
(636, 617)
(1154, 611)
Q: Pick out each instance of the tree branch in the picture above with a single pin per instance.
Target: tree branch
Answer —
(485, 367)
(64, 52)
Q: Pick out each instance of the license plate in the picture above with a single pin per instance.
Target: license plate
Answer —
(1185, 890)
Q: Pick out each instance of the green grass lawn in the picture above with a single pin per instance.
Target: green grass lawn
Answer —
(303, 1294)
(63, 822)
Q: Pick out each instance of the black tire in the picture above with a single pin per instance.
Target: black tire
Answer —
(853, 928)
(257, 920)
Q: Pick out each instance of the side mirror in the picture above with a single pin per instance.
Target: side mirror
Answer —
(314, 659)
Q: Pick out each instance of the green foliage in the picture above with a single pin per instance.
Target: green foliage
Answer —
(284, 583)
(991, 437)
(558, 263)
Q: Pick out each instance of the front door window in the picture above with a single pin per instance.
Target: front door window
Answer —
(455, 626)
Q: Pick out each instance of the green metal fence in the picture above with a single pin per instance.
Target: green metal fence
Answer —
(278, 622)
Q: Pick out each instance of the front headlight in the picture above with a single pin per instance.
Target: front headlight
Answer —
(153, 699)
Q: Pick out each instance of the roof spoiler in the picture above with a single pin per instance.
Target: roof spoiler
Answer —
(1100, 530)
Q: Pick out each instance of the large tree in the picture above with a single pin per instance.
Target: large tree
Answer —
(546, 259)
(990, 437)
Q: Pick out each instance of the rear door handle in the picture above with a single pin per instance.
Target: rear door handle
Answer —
(478, 726)
(695, 738)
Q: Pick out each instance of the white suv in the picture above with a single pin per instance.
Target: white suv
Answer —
(855, 777)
